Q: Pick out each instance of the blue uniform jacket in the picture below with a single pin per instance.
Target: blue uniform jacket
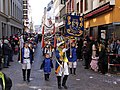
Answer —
(30, 55)
(47, 65)
(74, 55)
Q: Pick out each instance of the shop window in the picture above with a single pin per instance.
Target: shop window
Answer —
(62, 1)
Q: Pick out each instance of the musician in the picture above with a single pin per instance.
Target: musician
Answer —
(61, 65)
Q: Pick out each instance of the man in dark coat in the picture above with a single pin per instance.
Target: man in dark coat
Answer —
(6, 51)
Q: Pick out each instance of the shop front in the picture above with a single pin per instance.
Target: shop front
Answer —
(103, 22)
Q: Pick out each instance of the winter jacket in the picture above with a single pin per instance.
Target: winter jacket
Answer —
(47, 65)
(6, 49)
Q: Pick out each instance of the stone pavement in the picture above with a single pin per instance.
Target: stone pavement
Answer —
(84, 80)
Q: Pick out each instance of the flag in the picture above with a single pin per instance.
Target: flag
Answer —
(55, 42)
(43, 44)
(53, 29)
(43, 30)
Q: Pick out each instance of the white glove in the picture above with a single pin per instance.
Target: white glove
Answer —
(19, 61)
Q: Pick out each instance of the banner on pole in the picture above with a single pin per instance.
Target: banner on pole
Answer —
(74, 25)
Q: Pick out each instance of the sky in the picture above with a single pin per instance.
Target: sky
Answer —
(37, 7)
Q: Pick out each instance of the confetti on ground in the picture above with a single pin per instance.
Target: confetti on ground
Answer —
(77, 79)
(91, 77)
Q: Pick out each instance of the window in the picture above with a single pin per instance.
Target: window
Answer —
(81, 6)
(4, 6)
(25, 11)
(78, 7)
(62, 1)
(11, 7)
(101, 0)
(86, 5)
(25, 7)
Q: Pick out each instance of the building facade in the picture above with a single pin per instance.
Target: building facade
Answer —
(11, 15)
(103, 20)
(59, 12)
(101, 17)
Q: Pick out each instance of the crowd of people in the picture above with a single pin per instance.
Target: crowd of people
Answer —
(10, 46)
(92, 52)
(67, 52)
(95, 53)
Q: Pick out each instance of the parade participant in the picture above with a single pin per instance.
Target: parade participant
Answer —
(48, 49)
(72, 57)
(47, 65)
(26, 60)
(5, 82)
(61, 65)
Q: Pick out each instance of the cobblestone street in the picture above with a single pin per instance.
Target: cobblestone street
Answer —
(84, 80)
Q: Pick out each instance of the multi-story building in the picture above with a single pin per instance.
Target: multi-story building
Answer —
(10, 17)
(25, 14)
(59, 12)
(101, 17)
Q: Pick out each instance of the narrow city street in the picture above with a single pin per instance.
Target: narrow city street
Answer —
(84, 80)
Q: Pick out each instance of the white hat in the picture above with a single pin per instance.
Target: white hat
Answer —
(6, 41)
(59, 44)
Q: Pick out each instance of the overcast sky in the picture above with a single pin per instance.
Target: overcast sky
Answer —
(38, 9)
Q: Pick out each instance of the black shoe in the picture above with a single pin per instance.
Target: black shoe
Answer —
(24, 79)
(6, 67)
(59, 87)
(74, 73)
(28, 80)
(65, 87)
(86, 68)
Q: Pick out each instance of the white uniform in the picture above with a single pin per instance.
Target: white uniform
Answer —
(26, 62)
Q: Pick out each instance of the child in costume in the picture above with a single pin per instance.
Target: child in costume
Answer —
(46, 66)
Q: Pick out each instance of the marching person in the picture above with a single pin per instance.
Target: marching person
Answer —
(47, 65)
(72, 58)
(26, 60)
(61, 65)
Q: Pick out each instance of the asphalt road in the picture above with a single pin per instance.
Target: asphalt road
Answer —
(84, 80)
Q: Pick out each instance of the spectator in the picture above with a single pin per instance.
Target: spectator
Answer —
(102, 59)
(0, 55)
(6, 52)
